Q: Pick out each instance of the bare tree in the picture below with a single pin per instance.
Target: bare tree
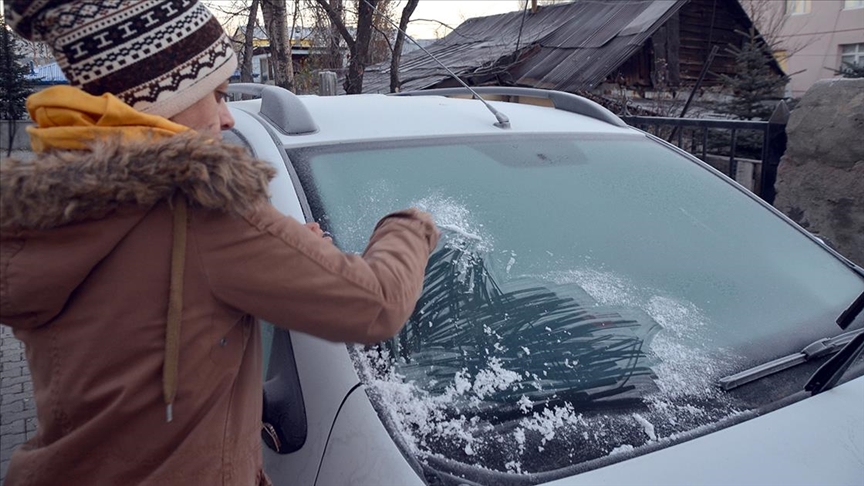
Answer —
(358, 46)
(396, 58)
(276, 24)
(383, 35)
(240, 12)
(360, 53)
(770, 18)
(334, 47)
(373, 40)
(335, 12)
(248, 43)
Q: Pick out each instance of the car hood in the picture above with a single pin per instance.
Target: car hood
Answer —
(819, 440)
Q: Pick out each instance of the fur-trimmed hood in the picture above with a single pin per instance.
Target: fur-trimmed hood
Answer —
(63, 212)
(62, 187)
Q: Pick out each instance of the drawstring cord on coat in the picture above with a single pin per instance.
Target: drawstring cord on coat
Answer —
(175, 309)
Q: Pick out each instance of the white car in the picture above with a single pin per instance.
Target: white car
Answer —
(603, 308)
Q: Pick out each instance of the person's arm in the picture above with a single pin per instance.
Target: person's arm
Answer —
(275, 268)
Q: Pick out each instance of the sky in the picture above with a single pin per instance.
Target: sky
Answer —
(452, 13)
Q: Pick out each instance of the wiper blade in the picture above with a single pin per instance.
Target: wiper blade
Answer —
(829, 373)
(818, 349)
(851, 313)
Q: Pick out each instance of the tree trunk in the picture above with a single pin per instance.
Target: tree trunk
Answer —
(276, 21)
(397, 46)
(335, 12)
(248, 46)
(334, 53)
(354, 79)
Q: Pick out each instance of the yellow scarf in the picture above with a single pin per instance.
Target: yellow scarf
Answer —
(68, 118)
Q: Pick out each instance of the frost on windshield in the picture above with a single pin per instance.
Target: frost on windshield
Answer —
(537, 372)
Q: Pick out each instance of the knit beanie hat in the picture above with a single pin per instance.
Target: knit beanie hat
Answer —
(158, 56)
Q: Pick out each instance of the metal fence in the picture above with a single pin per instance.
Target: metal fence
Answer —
(711, 140)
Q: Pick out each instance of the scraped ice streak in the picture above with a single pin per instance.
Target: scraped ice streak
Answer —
(419, 415)
(458, 231)
(431, 423)
(689, 364)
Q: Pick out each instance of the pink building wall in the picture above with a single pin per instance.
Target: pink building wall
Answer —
(813, 40)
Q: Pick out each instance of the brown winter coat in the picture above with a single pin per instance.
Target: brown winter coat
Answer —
(85, 256)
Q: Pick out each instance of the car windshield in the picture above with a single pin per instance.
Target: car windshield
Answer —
(585, 296)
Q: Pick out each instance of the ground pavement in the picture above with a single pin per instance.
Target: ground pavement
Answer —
(17, 408)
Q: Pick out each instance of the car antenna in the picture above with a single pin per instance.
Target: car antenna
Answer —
(503, 121)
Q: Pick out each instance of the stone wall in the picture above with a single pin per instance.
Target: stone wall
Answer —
(820, 180)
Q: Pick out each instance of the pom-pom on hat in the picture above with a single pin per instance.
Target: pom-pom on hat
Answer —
(158, 56)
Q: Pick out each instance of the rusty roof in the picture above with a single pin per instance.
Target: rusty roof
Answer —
(568, 47)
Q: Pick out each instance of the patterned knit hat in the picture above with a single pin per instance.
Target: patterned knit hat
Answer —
(159, 56)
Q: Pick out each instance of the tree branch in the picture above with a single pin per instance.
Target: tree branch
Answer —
(337, 21)
(396, 58)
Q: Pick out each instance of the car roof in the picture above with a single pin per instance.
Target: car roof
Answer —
(367, 117)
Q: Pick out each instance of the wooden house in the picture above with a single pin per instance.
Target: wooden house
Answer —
(587, 47)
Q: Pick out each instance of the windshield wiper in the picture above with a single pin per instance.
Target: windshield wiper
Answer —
(829, 373)
(851, 313)
(818, 349)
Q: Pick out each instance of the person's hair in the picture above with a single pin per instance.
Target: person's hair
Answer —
(158, 56)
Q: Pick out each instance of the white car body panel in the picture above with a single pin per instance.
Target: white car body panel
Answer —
(326, 377)
(343, 119)
(817, 441)
(282, 193)
(360, 450)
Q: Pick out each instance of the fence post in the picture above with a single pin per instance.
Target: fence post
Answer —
(326, 83)
(775, 146)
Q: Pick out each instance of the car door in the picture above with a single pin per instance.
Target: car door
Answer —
(319, 427)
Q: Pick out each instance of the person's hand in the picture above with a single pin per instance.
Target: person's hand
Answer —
(433, 232)
(315, 228)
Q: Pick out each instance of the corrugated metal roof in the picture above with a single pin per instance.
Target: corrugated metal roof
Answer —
(568, 47)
